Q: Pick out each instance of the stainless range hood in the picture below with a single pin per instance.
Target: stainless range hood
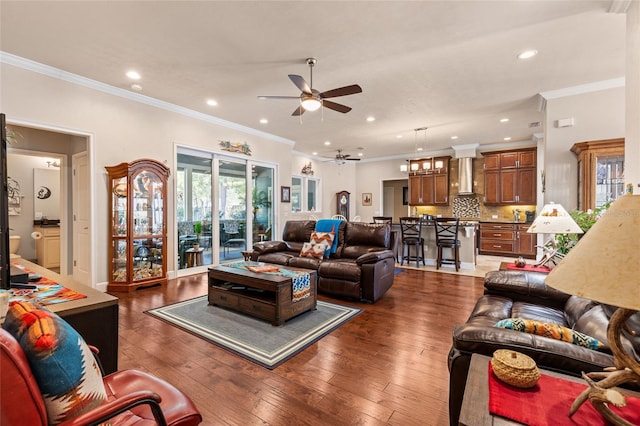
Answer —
(465, 176)
(465, 155)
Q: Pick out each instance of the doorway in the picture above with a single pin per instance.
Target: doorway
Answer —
(37, 154)
(223, 205)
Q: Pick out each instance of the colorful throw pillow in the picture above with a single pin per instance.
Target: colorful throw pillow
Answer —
(61, 362)
(313, 250)
(325, 238)
(553, 331)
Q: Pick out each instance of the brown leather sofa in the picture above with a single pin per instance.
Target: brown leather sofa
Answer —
(519, 294)
(361, 268)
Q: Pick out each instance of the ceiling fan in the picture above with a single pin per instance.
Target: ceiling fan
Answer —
(311, 99)
(343, 158)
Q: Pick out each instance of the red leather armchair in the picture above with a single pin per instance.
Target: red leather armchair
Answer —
(134, 397)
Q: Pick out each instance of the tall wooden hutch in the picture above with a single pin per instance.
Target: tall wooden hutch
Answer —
(600, 172)
(138, 230)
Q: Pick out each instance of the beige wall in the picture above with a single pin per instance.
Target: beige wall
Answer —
(597, 115)
(121, 130)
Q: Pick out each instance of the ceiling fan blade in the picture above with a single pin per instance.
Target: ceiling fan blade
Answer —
(278, 97)
(298, 111)
(335, 106)
(352, 159)
(342, 91)
(300, 83)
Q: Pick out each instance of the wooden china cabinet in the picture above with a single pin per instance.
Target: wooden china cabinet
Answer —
(138, 230)
(600, 172)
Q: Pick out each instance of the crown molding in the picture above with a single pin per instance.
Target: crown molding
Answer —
(619, 6)
(29, 65)
(583, 88)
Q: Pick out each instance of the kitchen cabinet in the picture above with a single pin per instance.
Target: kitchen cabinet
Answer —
(48, 246)
(510, 177)
(429, 181)
(600, 172)
(525, 242)
(507, 239)
(137, 230)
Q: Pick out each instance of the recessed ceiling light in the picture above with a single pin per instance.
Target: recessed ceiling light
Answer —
(370, 119)
(314, 153)
(264, 121)
(399, 136)
(507, 138)
(136, 87)
(419, 149)
(504, 120)
(359, 154)
(212, 102)
(327, 143)
(528, 54)
(133, 75)
(454, 137)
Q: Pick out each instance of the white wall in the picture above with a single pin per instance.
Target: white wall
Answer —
(597, 115)
(369, 179)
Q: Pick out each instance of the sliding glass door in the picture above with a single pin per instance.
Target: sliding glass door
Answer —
(232, 209)
(239, 191)
(193, 210)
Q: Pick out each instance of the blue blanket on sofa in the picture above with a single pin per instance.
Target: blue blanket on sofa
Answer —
(330, 225)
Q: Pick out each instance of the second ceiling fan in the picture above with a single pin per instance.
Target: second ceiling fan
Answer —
(312, 99)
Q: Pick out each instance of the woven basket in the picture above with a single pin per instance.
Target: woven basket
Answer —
(515, 368)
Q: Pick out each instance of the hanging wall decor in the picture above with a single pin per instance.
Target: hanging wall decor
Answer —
(13, 194)
(306, 169)
(241, 147)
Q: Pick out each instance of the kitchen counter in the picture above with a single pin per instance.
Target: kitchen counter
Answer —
(467, 233)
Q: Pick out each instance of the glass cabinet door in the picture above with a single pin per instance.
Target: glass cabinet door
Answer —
(148, 225)
(609, 179)
(119, 226)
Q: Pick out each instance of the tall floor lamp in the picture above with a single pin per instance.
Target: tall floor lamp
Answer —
(553, 219)
(603, 266)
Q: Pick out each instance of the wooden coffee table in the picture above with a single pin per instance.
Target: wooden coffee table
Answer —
(262, 295)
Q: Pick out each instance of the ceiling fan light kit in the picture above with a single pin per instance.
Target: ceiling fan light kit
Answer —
(310, 103)
(311, 99)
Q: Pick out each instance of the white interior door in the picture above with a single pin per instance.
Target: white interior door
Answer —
(81, 219)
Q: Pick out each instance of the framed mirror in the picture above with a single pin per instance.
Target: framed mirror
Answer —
(46, 193)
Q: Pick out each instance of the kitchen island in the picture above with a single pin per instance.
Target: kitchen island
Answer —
(467, 234)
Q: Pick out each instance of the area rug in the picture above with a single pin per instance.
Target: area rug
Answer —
(254, 339)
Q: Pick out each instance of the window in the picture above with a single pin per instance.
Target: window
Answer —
(305, 194)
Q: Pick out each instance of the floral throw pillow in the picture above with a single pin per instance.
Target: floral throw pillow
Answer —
(553, 331)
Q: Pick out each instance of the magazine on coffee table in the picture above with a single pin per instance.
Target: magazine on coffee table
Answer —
(262, 268)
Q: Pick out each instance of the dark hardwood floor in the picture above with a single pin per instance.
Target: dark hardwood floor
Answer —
(387, 366)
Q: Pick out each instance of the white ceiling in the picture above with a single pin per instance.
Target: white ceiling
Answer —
(450, 66)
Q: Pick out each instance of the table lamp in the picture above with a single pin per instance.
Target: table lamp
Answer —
(603, 267)
(553, 219)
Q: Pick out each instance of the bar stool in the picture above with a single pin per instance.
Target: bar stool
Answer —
(382, 219)
(411, 231)
(447, 237)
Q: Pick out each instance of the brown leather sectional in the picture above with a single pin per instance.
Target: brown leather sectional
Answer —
(362, 267)
(519, 294)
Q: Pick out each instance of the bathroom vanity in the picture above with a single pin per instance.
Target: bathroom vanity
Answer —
(48, 245)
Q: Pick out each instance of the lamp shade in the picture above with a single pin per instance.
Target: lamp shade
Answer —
(602, 266)
(554, 219)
